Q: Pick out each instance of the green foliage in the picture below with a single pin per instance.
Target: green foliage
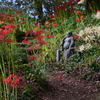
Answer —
(27, 94)
(94, 66)
(87, 58)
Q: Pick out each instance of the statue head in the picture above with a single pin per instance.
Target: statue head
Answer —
(69, 34)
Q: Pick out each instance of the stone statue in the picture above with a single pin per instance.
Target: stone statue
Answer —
(68, 45)
(38, 19)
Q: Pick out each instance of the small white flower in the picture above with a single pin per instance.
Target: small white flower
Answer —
(85, 47)
(81, 48)
(98, 31)
(97, 15)
(81, 33)
(88, 46)
(90, 33)
(88, 30)
(81, 1)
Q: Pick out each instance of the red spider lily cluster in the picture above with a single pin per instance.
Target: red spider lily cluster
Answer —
(42, 42)
(78, 12)
(1, 22)
(80, 17)
(59, 76)
(50, 36)
(40, 37)
(31, 48)
(37, 46)
(54, 25)
(26, 42)
(31, 58)
(13, 81)
(75, 36)
(6, 17)
(9, 41)
(77, 19)
(65, 5)
(5, 30)
(9, 26)
(38, 32)
(98, 11)
(39, 40)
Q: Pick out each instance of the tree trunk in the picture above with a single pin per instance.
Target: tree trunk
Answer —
(39, 8)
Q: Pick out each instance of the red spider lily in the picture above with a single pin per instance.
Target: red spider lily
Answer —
(59, 76)
(52, 20)
(9, 41)
(50, 36)
(10, 30)
(18, 14)
(26, 42)
(39, 55)
(9, 21)
(52, 16)
(1, 21)
(90, 7)
(38, 32)
(81, 17)
(42, 42)
(20, 18)
(9, 26)
(46, 31)
(47, 25)
(17, 11)
(26, 34)
(1, 29)
(39, 60)
(38, 24)
(31, 58)
(12, 14)
(78, 12)
(1, 37)
(54, 25)
(4, 32)
(22, 22)
(62, 23)
(3, 7)
(13, 80)
(47, 21)
(97, 11)
(77, 19)
(37, 27)
(62, 7)
(30, 31)
(30, 48)
(37, 46)
(40, 37)
(75, 36)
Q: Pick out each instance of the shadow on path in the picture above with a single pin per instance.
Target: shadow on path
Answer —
(66, 87)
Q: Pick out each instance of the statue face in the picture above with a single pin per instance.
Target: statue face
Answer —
(69, 34)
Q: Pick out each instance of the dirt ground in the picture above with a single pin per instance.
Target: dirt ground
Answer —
(67, 87)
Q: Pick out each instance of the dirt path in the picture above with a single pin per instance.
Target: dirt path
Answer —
(66, 87)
